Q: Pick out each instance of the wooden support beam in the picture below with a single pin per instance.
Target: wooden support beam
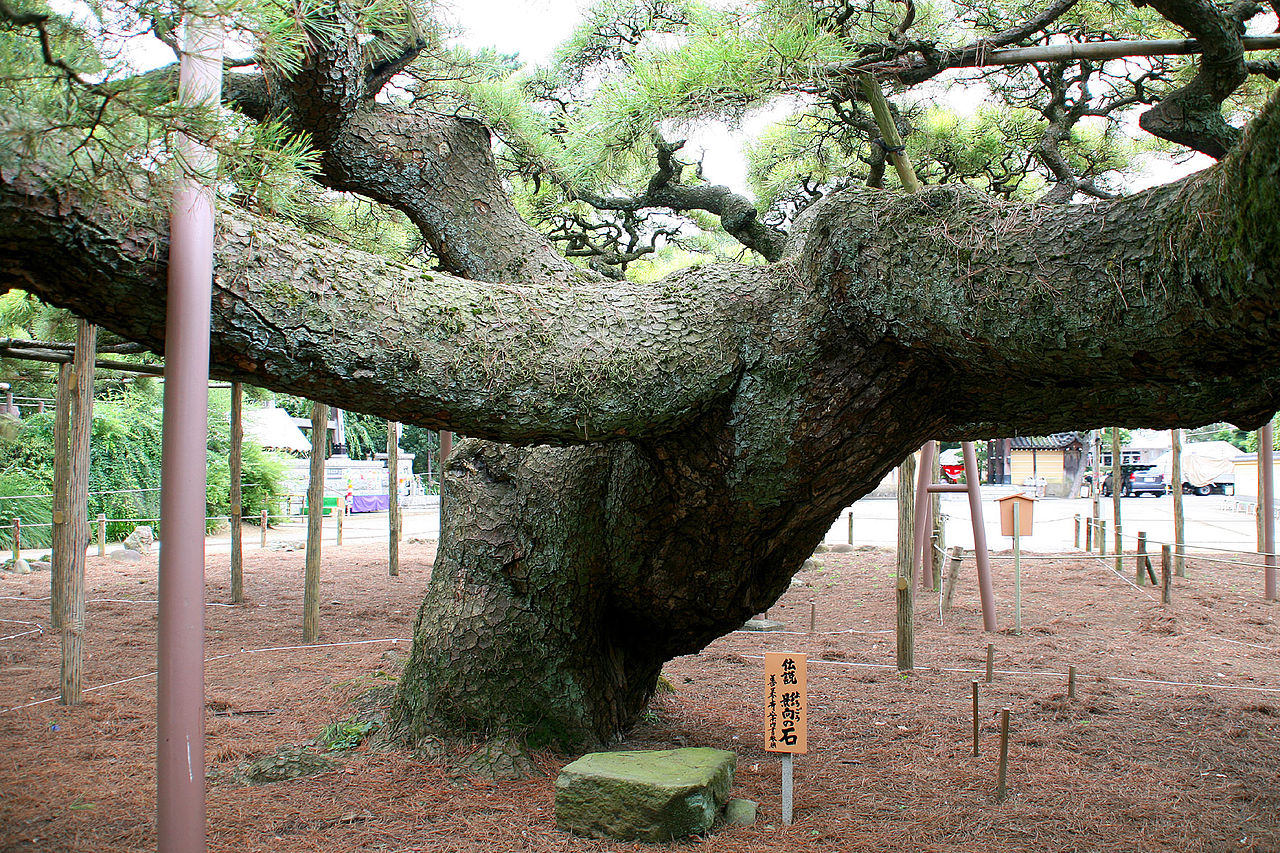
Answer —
(315, 521)
(393, 498)
(61, 529)
(72, 630)
(237, 510)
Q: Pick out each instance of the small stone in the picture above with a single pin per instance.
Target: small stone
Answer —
(841, 548)
(21, 566)
(140, 540)
(795, 582)
(286, 764)
(762, 625)
(124, 555)
(811, 565)
(821, 549)
(740, 812)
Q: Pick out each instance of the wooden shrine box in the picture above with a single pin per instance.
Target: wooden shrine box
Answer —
(1026, 510)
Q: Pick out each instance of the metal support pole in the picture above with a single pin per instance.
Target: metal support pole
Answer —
(1267, 502)
(180, 679)
(980, 553)
(788, 787)
(1017, 569)
(920, 523)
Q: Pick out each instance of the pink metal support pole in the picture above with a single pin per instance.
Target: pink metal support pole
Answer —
(180, 683)
(921, 520)
(1267, 506)
(981, 556)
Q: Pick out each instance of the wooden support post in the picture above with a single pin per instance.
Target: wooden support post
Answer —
(1117, 487)
(17, 539)
(1140, 556)
(1118, 554)
(813, 616)
(264, 523)
(235, 463)
(1166, 574)
(953, 577)
(1088, 535)
(1102, 537)
(889, 131)
(340, 511)
(1179, 518)
(905, 585)
(393, 498)
(315, 521)
(1071, 682)
(102, 534)
(974, 686)
(991, 662)
(1002, 774)
(1076, 541)
(935, 562)
(61, 529)
(446, 449)
(850, 525)
(78, 510)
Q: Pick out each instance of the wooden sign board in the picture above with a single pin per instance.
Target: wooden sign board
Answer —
(786, 702)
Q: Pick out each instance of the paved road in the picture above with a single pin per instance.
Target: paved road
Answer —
(1212, 522)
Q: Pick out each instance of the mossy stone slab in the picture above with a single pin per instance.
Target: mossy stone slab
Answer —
(644, 795)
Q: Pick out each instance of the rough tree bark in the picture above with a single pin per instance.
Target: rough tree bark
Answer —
(724, 415)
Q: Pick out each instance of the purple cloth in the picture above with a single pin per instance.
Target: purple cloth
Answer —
(369, 503)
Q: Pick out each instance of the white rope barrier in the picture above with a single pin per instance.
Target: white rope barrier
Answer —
(392, 640)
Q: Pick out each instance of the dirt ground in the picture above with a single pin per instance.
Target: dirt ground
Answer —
(1172, 743)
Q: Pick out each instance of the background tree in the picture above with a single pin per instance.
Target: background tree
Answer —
(675, 448)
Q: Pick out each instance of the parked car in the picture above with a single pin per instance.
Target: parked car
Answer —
(1149, 481)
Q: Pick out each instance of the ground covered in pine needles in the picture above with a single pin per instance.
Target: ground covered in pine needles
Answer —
(1171, 743)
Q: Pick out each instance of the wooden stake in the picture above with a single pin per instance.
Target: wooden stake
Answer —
(17, 539)
(78, 511)
(237, 523)
(974, 686)
(1166, 574)
(102, 534)
(264, 523)
(1088, 535)
(991, 662)
(1179, 518)
(935, 562)
(906, 544)
(393, 498)
(1001, 789)
(61, 530)
(813, 616)
(1071, 682)
(850, 525)
(315, 521)
(1076, 542)
(953, 578)
(1140, 556)
(1102, 537)
(340, 511)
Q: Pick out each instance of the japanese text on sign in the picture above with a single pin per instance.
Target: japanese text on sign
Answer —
(786, 702)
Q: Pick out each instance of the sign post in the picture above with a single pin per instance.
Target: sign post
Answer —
(787, 719)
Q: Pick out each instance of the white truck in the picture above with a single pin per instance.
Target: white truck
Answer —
(1207, 468)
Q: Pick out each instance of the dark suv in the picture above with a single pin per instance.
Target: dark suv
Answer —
(1148, 481)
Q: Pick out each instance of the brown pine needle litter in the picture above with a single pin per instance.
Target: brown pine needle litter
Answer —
(1172, 742)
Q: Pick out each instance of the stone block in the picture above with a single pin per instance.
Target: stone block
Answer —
(648, 795)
